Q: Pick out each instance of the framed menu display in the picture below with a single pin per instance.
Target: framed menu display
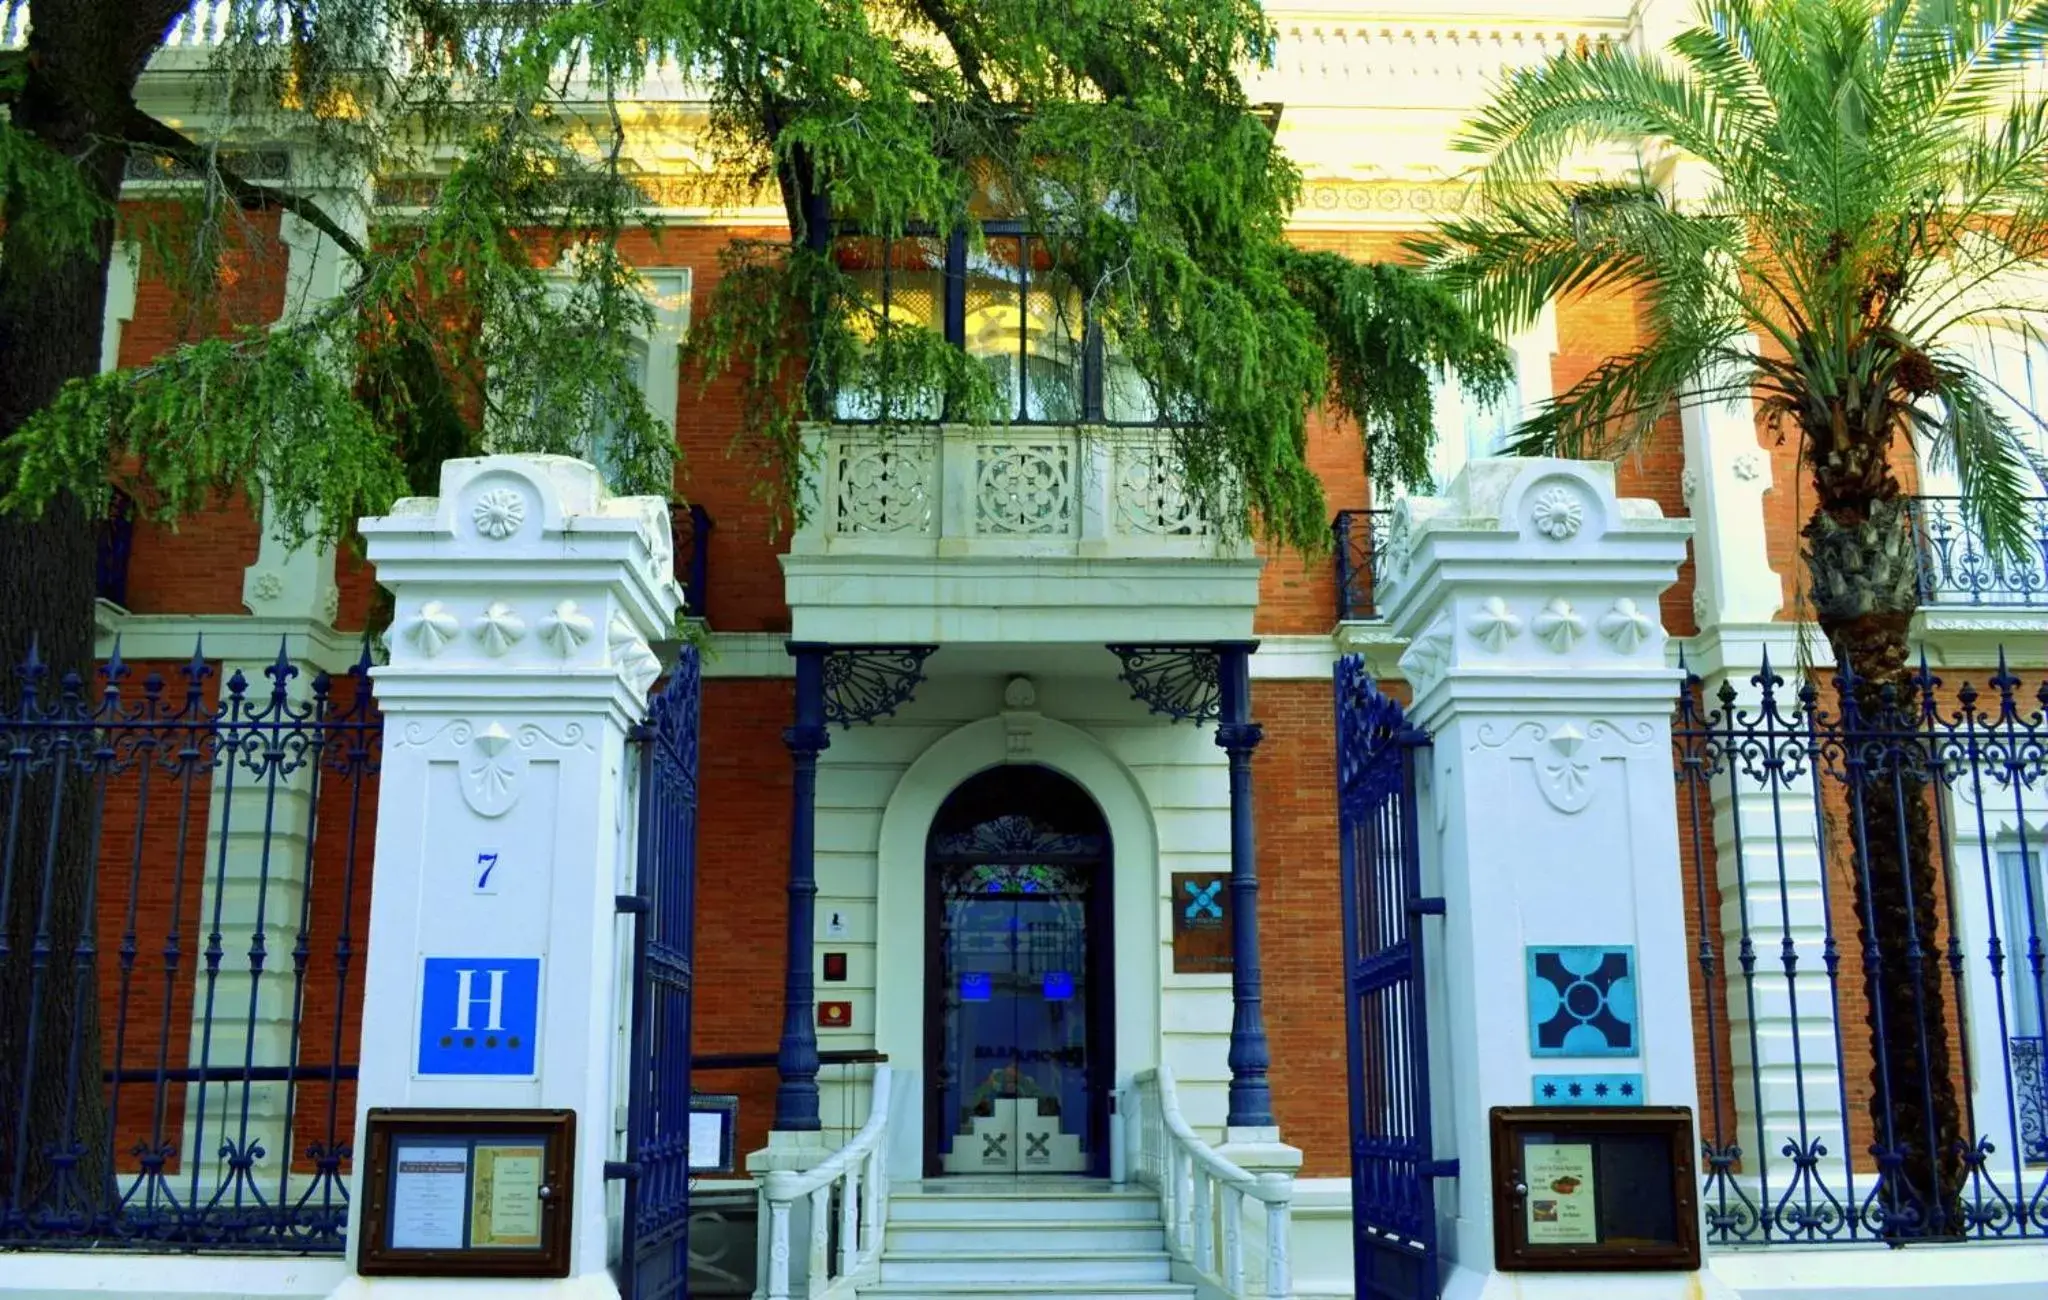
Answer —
(468, 1193)
(1585, 1190)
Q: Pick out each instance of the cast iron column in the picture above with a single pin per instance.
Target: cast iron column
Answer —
(1251, 1097)
(796, 1056)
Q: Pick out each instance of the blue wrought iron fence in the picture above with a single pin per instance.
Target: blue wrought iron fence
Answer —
(1361, 537)
(1870, 916)
(1957, 568)
(184, 885)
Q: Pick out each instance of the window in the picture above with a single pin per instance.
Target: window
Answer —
(1467, 430)
(653, 358)
(1007, 306)
(2014, 362)
(2024, 919)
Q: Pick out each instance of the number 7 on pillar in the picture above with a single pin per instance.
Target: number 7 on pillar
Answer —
(486, 873)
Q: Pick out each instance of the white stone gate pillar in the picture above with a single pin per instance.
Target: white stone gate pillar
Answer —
(1536, 657)
(526, 599)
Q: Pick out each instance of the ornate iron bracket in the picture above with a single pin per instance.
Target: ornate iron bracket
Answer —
(864, 683)
(1180, 681)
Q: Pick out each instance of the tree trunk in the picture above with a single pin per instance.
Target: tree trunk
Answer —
(1865, 588)
(83, 58)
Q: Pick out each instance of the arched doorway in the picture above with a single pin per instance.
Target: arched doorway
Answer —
(1019, 1006)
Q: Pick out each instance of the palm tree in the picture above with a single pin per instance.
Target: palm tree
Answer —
(1858, 185)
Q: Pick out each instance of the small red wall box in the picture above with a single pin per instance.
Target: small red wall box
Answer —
(835, 967)
(835, 1015)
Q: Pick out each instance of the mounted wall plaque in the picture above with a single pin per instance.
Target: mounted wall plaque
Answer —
(1201, 923)
(468, 1193)
(1586, 1190)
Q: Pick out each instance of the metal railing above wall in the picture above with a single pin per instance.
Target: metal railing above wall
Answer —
(184, 889)
(1837, 1020)
(1957, 568)
(1361, 538)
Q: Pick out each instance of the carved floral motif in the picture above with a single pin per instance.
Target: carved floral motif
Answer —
(1559, 514)
(499, 513)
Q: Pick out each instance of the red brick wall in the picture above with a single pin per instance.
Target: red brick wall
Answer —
(742, 910)
(196, 568)
(1301, 943)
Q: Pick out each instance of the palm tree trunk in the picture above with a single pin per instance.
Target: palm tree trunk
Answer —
(1862, 562)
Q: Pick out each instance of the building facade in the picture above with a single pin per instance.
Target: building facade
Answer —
(1028, 725)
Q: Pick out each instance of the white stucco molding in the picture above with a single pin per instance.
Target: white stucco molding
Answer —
(1727, 473)
(526, 576)
(1531, 579)
(900, 897)
(1041, 600)
(1974, 638)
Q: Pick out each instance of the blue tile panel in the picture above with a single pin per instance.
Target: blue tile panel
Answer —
(1582, 1002)
(1587, 1090)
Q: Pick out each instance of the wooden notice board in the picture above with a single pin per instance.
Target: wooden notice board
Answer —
(1577, 1190)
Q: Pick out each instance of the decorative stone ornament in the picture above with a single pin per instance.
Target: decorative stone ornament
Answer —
(432, 628)
(499, 513)
(1429, 653)
(1559, 514)
(1749, 466)
(1626, 627)
(631, 655)
(1495, 624)
(499, 629)
(567, 629)
(1558, 626)
(491, 779)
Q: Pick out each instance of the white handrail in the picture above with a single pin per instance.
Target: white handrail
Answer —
(857, 1170)
(1202, 1195)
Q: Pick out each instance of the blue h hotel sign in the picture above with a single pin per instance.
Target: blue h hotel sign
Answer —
(480, 1016)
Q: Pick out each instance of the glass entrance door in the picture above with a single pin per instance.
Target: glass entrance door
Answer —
(1015, 1083)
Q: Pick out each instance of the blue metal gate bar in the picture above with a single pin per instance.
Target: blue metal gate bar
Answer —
(654, 1258)
(127, 1125)
(1386, 1024)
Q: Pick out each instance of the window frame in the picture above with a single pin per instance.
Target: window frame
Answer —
(953, 327)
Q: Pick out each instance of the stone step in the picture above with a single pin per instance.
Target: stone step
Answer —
(1024, 1268)
(996, 1204)
(984, 1235)
(1027, 1291)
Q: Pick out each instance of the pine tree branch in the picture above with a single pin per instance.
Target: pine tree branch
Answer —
(948, 25)
(146, 132)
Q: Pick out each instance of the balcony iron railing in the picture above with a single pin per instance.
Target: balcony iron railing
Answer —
(1958, 569)
(1361, 537)
(692, 528)
(116, 543)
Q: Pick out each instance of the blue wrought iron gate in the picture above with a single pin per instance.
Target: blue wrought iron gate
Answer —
(654, 1239)
(1386, 1023)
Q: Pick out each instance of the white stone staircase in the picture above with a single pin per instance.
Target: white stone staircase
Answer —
(1007, 1239)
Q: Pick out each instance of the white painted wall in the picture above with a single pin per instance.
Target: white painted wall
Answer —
(1162, 790)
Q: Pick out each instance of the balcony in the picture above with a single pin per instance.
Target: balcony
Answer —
(1008, 532)
(1958, 571)
(1361, 540)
